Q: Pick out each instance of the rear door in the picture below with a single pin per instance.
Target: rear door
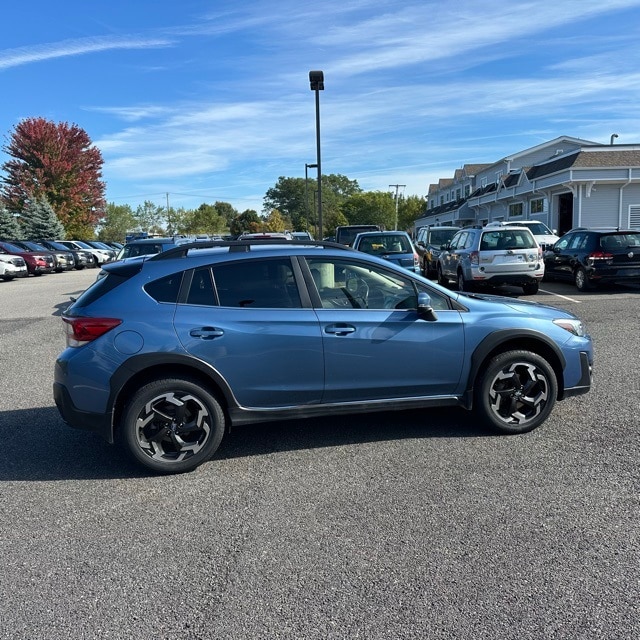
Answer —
(253, 329)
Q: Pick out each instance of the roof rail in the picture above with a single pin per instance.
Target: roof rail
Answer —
(242, 246)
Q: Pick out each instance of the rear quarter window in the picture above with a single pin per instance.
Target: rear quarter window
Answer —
(165, 289)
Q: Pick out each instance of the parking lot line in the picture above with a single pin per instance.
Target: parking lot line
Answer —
(551, 293)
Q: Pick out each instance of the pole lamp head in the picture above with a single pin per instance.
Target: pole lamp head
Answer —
(316, 80)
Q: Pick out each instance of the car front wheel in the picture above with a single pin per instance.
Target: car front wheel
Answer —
(172, 425)
(516, 392)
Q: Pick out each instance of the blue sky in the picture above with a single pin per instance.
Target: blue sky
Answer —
(210, 101)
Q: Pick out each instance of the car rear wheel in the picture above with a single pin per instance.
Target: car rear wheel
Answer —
(172, 425)
(581, 280)
(516, 392)
(530, 289)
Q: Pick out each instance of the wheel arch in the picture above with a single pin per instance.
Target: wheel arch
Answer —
(519, 340)
(140, 370)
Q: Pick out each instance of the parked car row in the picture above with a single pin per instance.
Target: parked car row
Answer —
(527, 252)
(20, 258)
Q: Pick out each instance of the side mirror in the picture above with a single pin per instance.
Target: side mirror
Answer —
(425, 310)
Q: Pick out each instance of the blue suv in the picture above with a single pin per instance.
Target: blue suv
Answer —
(165, 354)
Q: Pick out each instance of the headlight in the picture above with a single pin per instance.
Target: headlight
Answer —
(572, 325)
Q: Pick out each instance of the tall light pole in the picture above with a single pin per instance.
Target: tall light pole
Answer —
(306, 191)
(316, 81)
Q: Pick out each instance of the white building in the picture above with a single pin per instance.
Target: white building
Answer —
(565, 183)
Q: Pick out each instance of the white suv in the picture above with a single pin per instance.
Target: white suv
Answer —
(543, 235)
(492, 255)
(12, 267)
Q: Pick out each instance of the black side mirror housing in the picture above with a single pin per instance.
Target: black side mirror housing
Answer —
(425, 310)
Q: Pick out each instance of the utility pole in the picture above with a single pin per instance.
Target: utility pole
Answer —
(169, 230)
(397, 186)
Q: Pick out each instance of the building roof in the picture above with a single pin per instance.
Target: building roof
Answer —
(588, 159)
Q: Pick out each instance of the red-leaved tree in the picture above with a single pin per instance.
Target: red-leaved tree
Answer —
(57, 162)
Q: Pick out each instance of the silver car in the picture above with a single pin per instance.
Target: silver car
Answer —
(492, 256)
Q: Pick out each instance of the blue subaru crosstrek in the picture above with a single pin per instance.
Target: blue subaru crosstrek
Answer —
(165, 354)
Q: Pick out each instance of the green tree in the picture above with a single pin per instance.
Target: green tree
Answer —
(149, 217)
(9, 225)
(371, 207)
(118, 219)
(274, 222)
(40, 221)
(296, 198)
(409, 210)
(56, 161)
(248, 221)
(205, 219)
(227, 211)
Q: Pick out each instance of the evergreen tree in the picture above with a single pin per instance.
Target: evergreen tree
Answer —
(40, 221)
(9, 226)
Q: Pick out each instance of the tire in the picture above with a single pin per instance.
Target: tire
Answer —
(531, 288)
(516, 392)
(463, 283)
(172, 425)
(581, 280)
(441, 279)
(8, 278)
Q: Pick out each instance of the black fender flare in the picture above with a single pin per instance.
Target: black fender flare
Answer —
(516, 337)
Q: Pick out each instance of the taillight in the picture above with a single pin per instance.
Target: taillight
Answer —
(81, 331)
(474, 257)
(599, 257)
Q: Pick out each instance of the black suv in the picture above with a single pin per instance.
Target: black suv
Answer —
(589, 257)
(429, 241)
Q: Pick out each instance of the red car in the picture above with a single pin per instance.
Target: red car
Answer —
(38, 262)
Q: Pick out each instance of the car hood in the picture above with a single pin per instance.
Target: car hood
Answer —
(527, 307)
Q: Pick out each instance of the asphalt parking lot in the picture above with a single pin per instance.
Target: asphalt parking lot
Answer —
(417, 524)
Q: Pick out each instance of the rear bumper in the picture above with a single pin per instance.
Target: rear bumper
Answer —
(87, 421)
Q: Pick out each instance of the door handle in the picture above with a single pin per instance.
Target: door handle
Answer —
(206, 333)
(339, 329)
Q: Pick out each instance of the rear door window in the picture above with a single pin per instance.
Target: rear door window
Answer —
(268, 283)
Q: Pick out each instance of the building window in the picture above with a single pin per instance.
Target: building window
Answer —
(537, 205)
(483, 181)
(515, 209)
(441, 199)
(467, 190)
(499, 175)
(458, 194)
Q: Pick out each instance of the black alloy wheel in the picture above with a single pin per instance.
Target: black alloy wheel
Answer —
(516, 392)
(172, 425)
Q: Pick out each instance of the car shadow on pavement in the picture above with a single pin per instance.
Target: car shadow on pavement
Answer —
(38, 446)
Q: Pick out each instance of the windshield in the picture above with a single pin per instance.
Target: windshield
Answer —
(539, 229)
(384, 244)
(507, 239)
(441, 236)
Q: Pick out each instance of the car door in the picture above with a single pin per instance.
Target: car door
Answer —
(375, 345)
(562, 259)
(252, 328)
(449, 259)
